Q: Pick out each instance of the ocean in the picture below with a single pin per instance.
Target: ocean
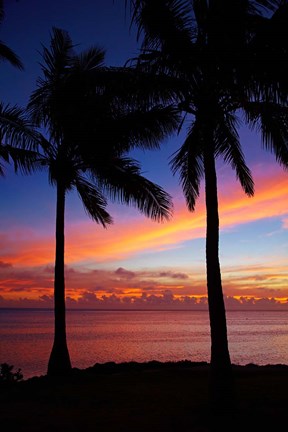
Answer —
(259, 337)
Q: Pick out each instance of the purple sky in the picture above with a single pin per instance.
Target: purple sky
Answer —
(253, 241)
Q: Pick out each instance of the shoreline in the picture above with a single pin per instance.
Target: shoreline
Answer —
(112, 367)
(145, 397)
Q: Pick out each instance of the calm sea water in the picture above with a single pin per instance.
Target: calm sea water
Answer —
(259, 337)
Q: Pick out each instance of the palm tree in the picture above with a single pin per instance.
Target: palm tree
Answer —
(90, 129)
(213, 48)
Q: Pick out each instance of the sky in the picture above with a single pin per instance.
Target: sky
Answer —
(136, 262)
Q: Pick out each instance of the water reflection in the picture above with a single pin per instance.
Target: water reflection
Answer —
(101, 336)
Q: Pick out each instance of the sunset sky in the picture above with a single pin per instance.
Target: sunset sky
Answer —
(136, 262)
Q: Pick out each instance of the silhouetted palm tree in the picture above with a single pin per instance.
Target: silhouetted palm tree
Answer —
(83, 107)
(213, 48)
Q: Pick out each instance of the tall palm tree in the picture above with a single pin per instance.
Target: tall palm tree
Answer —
(214, 48)
(90, 127)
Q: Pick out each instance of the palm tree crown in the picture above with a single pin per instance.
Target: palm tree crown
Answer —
(77, 104)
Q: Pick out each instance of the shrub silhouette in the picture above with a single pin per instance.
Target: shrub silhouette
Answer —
(7, 375)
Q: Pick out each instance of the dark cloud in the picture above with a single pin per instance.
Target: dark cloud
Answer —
(98, 288)
(48, 269)
(89, 297)
(267, 290)
(4, 265)
(124, 273)
(46, 298)
(16, 289)
(174, 275)
(70, 301)
(251, 303)
(70, 270)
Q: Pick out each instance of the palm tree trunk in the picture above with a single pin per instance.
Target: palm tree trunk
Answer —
(222, 397)
(220, 358)
(59, 362)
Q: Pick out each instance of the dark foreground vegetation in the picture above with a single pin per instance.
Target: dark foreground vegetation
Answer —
(145, 397)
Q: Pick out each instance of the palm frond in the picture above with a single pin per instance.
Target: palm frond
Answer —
(7, 54)
(93, 201)
(228, 145)
(139, 87)
(16, 129)
(188, 162)
(4, 157)
(266, 5)
(162, 22)
(200, 9)
(57, 58)
(88, 60)
(123, 182)
(271, 120)
(46, 103)
(266, 58)
(143, 129)
(25, 161)
(38, 102)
